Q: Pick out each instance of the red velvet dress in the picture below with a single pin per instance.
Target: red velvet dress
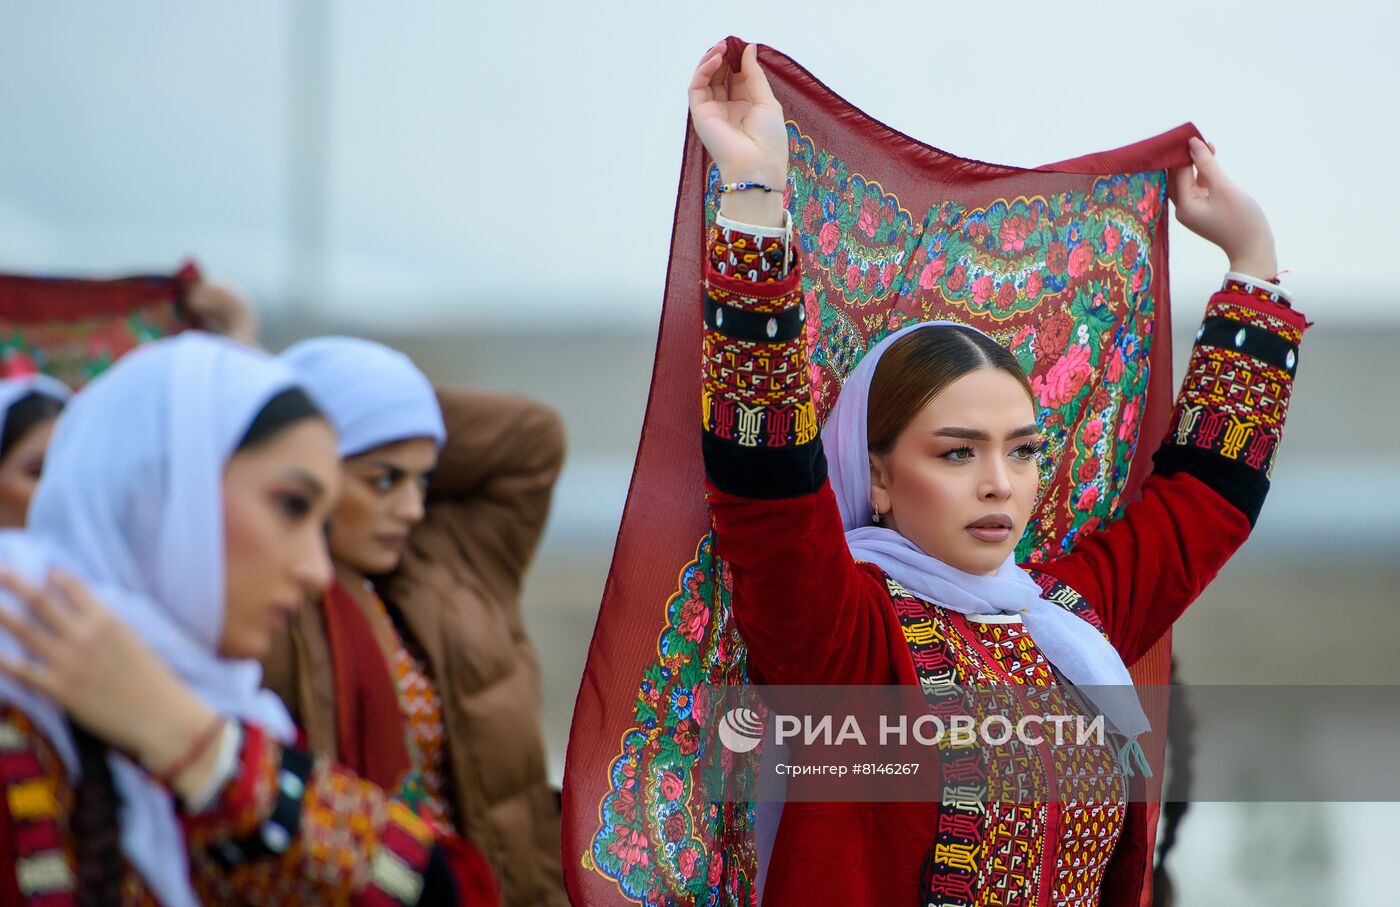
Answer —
(810, 614)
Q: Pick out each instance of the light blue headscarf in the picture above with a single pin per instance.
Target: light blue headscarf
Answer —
(374, 395)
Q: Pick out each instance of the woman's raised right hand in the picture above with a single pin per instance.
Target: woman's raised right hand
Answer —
(743, 129)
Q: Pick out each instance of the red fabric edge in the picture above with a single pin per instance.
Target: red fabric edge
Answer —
(588, 707)
(1131, 158)
(367, 714)
(27, 298)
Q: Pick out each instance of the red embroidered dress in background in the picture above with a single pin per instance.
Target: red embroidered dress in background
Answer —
(421, 708)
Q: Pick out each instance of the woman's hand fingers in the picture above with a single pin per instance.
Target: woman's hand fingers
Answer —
(754, 80)
(29, 674)
(721, 78)
(1181, 182)
(73, 594)
(699, 91)
(39, 626)
(1208, 170)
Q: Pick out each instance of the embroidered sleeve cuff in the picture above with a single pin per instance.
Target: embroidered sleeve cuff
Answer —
(760, 426)
(244, 794)
(1229, 415)
(1240, 282)
(751, 254)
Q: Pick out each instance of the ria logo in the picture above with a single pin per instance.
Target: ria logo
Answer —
(740, 730)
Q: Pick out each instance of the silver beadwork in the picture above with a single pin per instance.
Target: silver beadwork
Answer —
(276, 837)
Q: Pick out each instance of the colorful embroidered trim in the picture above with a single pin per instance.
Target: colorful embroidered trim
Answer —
(755, 389)
(951, 868)
(1235, 397)
(425, 790)
(761, 327)
(747, 257)
(1060, 593)
(991, 843)
(1263, 294)
(43, 865)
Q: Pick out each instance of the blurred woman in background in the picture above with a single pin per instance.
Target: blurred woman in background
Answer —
(445, 498)
(176, 532)
(29, 406)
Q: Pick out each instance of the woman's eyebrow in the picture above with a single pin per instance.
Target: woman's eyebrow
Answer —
(302, 477)
(973, 434)
(969, 434)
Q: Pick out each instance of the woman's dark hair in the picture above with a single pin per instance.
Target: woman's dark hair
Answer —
(918, 366)
(283, 411)
(33, 409)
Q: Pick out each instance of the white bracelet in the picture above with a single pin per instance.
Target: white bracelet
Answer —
(225, 765)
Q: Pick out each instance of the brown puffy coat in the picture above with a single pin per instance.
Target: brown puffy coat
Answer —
(458, 589)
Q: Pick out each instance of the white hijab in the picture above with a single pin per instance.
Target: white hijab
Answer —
(373, 394)
(13, 390)
(131, 501)
(1068, 642)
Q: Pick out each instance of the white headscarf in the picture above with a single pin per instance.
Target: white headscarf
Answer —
(13, 390)
(131, 501)
(373, 394)
(1068, 642)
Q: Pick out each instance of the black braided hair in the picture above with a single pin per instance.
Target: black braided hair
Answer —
(96, 829)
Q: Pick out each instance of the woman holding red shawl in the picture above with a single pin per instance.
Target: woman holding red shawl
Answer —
(880, 551)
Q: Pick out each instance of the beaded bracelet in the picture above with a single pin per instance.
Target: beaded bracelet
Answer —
(742, 186)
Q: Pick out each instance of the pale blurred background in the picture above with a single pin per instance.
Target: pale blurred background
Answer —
(431, 175)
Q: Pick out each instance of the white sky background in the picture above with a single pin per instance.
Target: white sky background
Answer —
(470, 147)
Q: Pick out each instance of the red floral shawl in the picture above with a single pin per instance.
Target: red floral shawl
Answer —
(891, 230)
